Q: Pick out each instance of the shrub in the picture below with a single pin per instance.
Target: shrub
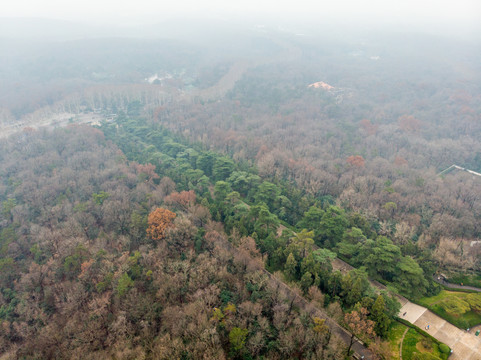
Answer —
(444, 348)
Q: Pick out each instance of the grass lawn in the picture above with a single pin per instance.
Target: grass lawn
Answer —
(434, 303)
(396, 332)
(414, 342)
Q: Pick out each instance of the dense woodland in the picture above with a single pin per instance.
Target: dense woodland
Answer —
(88, 273)
(374, 143)
(84, 239)
(155, 235)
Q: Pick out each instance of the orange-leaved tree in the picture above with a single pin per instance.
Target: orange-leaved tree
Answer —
(359, 325)
(356, 160)
(409, 123)
(159, 220)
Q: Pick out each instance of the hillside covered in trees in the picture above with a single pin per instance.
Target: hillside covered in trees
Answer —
(88, 273)
(373, 143)
(201, 214)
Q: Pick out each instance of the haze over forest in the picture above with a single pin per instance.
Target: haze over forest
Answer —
(265, 180)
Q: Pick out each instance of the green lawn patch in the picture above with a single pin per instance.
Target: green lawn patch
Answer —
(455, 307)
(396, 331)
(395, 334)
(418, 346)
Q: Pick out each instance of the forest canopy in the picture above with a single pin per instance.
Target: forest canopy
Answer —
(270, 195)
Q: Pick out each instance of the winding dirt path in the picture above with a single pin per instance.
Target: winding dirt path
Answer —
(401, 344)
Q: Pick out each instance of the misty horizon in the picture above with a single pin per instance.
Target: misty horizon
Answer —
(459, 20)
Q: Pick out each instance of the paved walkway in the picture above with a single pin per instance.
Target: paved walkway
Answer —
(465, 346)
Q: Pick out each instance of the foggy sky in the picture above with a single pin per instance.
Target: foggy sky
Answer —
(462, 16)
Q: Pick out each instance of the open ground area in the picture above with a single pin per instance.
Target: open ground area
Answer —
(465, 345)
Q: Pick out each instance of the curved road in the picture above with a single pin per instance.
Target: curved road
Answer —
(455, 286)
